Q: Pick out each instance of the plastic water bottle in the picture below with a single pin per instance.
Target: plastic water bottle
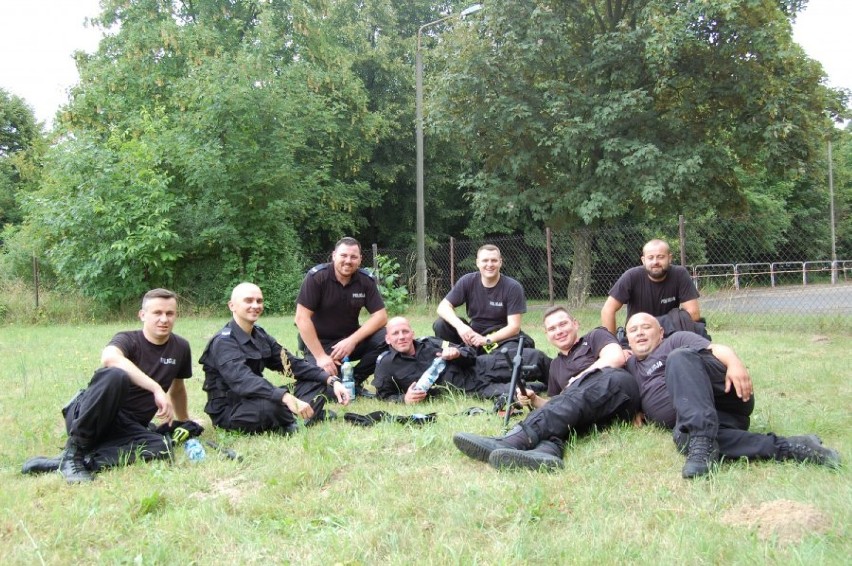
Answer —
(348, 377)
(430, 376)
(194, 450)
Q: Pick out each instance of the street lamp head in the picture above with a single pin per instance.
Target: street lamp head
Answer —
(418, 134)
(471, 10)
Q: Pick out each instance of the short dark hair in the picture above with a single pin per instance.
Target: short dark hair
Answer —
(347, 241)
(555, 309)
(489, 248)
(158, 294)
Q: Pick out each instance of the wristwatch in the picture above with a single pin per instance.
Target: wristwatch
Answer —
(334, 379)
(488, 340)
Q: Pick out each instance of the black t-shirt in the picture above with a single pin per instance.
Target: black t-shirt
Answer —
(584, 353)
(488, 307)
(336, 307)
(650, 373)
(233, 363)
(162, 363)
(635, 289)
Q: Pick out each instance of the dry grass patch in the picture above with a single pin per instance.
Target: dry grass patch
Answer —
(785, 520)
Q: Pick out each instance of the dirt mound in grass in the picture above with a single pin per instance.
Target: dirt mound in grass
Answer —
(787, 521)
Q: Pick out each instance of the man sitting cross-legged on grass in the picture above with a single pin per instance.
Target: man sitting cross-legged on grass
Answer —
(238, 396)
(594, 392)
(141, 377)
(398, 369)
(704, 393)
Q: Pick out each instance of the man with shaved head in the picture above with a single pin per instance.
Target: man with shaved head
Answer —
(488, 376)
(238, 396)
(656, 287)
(703, 392)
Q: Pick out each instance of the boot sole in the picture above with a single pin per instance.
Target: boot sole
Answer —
(695, 473)
(470, 446)
(42, 466)
(689, 472)
(509, 459)
(824, 456)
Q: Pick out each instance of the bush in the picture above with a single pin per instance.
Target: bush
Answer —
(387, 278)
(18, 305)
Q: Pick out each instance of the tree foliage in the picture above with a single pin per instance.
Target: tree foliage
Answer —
(578, 113)
(247, 128)
(841, 180)
(380, 37)
(20, 137)
(214, 141)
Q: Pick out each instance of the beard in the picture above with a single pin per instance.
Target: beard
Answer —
(658, 272)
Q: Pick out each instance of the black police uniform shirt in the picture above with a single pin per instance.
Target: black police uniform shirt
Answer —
(396, 371)
(336, 307)
(161, 362)
(635, 289)
(650, 373)
(234, 361)
(584, 353)
(488, 307)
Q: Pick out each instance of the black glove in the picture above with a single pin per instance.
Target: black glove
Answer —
(180, 430)
(376, 416)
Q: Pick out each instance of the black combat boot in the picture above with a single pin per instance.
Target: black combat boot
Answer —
(806, 448)
(702, 452)
(41, 464)
(545, 457)
(481, 447)
(73, 466)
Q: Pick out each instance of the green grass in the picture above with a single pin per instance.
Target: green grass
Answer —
(391, 494)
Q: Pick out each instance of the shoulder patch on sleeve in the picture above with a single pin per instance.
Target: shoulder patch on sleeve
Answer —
(317, 268)
(367, 272)
(382, 355)
(225, 332)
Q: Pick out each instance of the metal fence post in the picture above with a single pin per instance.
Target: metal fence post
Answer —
(35, 278)
(548, 235)
(452, 261)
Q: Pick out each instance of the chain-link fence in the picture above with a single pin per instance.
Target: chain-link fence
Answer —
(744, 275)
(741, 273)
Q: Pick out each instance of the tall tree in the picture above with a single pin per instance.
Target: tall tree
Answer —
(19, 133)
(247, 127)
(380, 36)
(579, 113)
(841, 179)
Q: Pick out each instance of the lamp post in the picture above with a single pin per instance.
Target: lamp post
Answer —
(421, 212)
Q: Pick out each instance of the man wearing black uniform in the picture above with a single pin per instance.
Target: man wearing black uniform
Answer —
(595, 392)
(494, 305)
(398, 369)
(141, 377)
(656, 287)
(327, 309)
(238, 396)
(704, 393)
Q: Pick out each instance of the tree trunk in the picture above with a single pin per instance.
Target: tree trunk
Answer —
(581, 267)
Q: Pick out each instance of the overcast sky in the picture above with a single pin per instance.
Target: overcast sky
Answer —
(38, 37)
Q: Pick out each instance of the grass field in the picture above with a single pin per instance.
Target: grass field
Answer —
(391, 494)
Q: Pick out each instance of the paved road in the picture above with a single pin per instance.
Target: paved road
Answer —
(804, 299)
